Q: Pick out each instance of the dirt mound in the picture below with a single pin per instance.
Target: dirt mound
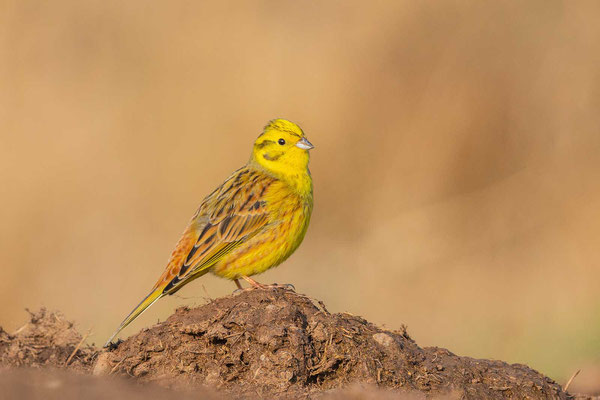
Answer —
(276, 343)
(49, 340)
(253, 344)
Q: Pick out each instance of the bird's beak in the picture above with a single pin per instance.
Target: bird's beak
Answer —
(304, 144)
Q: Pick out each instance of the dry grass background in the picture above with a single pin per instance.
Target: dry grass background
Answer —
(457, 168)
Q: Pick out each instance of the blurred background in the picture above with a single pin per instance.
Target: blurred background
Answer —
(456, 169)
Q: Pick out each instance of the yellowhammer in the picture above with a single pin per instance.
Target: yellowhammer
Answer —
(254, 221)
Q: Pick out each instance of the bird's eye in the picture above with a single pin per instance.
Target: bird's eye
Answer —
(281, 141)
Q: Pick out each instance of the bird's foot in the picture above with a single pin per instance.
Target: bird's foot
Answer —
(253, 283)
(286, 286)
(257, 285)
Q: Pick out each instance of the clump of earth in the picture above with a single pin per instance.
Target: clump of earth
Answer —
(271, 343)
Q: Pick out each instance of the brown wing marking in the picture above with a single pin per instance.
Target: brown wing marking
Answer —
(233, 214)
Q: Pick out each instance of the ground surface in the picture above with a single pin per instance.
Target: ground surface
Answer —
(253, 344)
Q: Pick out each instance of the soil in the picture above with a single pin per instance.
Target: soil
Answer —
(47, 340)
(271, 343)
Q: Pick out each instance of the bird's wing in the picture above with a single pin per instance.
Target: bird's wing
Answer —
(227, 217)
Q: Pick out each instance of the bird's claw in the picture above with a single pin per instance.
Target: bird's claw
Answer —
(285, 286)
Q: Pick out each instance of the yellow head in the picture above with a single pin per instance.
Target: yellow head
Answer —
(282, 149)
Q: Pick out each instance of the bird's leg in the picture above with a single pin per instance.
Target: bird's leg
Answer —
(256, 285)
(238, 284)
(253, 283)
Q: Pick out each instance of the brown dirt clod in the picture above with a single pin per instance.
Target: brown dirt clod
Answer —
(276, 343)
(47, 340)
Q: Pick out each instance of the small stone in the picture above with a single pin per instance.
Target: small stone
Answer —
(383, 339)
(102, 366)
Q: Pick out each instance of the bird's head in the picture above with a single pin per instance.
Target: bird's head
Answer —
(282, 149)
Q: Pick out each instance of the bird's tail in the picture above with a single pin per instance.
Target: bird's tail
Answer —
(156, 294)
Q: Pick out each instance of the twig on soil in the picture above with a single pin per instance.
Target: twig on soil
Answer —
(117, 365)
(237, 338)
(571, 380)
(20, 329)
(78, 346)
(316, 369)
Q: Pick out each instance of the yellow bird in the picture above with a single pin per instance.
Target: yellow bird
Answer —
(254, 221)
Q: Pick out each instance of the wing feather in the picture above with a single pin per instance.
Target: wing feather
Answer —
(227, 218)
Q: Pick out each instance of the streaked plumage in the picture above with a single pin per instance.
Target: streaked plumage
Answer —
(254, 221)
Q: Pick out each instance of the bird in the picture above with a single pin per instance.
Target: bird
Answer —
(252, 222)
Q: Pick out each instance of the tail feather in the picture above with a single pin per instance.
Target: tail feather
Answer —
(143, 306)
